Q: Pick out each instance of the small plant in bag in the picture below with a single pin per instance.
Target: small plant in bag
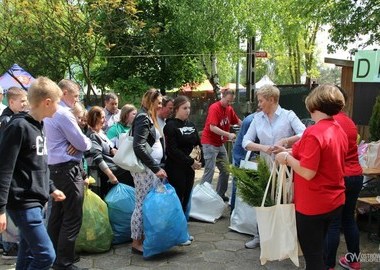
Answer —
(251, 183)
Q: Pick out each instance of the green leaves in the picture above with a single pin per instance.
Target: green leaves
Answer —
(251, 184)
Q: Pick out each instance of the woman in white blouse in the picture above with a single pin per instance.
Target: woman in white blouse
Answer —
(274, 127)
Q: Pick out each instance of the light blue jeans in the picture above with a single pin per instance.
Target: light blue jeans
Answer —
(216, 156)
(36, 251)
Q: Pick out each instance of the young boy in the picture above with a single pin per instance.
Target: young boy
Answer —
(24, 176)
(17, 101)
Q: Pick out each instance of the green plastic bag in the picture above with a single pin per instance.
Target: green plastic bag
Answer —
(96, 233)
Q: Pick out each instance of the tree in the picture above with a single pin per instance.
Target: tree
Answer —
(352, 21)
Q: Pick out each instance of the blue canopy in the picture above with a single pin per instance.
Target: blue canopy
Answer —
(7, 81)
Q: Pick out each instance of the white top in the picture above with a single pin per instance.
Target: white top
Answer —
(284, 124)
(157, 150)
(2, 107)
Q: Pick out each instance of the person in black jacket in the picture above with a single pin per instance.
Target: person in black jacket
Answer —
(181, 137)
(100, 156)
(17, 101)
(24, 176)
(145, 130)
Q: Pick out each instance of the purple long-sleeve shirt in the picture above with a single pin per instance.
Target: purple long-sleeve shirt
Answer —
(61, 131)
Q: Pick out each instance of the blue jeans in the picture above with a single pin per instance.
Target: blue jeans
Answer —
(35, 249)
(347, 222)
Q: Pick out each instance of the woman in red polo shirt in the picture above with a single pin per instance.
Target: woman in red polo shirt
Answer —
(318, 162)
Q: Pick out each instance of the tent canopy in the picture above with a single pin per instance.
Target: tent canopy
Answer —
(7, 81)
(263, 81)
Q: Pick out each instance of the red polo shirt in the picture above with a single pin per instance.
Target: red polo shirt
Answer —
(221, 117)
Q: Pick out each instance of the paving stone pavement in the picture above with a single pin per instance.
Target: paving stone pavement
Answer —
(214, 247)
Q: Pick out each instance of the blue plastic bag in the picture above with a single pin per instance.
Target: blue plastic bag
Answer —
(121, 203)
(164, 222)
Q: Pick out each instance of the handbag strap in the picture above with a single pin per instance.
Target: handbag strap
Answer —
(277, 178)
(248, 155)
(272, 179)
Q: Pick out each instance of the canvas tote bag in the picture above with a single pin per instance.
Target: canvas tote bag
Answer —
(125, 156)
(277, 224)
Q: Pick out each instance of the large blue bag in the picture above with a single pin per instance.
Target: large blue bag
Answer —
(164, 222)
(121, 203)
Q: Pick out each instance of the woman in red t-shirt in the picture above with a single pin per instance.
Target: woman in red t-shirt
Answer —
(318, 162)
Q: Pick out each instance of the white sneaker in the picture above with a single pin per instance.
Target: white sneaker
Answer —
(254, 243)
(187, 243)
(191, 238)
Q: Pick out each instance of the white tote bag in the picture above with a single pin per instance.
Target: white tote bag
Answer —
(277, 224)
(206, 204)
(125, 156)
(243, 217)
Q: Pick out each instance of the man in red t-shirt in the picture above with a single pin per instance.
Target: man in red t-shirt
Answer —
(216, 131)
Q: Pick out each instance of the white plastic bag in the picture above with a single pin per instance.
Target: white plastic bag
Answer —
(247, 164)
(206, 204)
(372, 155)
(243, 218)
(277, 224)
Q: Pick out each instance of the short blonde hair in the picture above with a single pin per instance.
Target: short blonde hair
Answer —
(41, 89)
(15, 92)
(269, 91)
(78, 109)
(326, 98)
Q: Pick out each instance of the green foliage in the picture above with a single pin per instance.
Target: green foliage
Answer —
(130, 90)
(350, 19)
(374, 122)
(251, 184)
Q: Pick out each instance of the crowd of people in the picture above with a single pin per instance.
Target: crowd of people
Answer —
(54, 144)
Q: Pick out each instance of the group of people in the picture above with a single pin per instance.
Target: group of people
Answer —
(327, 173)
(49, 145)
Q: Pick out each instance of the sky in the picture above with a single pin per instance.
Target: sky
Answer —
(322, 42)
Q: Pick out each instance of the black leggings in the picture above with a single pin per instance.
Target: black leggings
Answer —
(311, 231)
(182, 179)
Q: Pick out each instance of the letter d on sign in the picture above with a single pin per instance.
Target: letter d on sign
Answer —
(363, 65)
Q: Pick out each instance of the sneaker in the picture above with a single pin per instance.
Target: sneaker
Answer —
(191, 238)
(76, 258)
(349, 265)
(11, 254)
(254, 243)
(225, 198)
(187, 243)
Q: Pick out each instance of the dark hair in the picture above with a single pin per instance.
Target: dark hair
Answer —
(109, 96)
(94, 115)
(178, 102)
(166, 100)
